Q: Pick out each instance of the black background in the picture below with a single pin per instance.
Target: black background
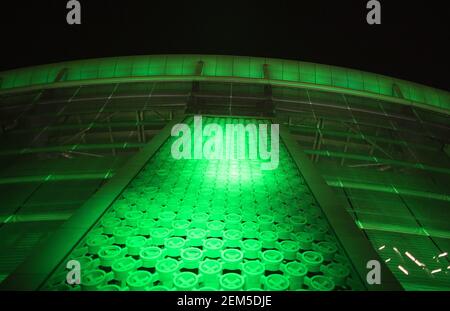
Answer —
(150, 301)
(411, 43)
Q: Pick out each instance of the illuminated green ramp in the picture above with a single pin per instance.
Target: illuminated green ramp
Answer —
(212, 225)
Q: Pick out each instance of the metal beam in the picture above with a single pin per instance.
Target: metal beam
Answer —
(56, 177)
(193, 106)
(62, 74)
(71, 148)
(156, 125)
(111, 136)
(396, 91)
(268, 108)
(446, 149)
(359, 157)
(368, 140)
(387, 188)
(310, 129)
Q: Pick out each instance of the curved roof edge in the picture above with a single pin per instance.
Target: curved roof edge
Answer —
(225, 68)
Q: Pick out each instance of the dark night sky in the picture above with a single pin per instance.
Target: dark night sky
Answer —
(411, 43)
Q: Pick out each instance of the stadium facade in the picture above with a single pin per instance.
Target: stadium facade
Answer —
(87, 175)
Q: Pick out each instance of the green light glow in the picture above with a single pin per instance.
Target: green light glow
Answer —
(239, 69)
(218, 217)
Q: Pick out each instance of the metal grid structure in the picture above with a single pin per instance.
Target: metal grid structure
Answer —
(207, 229)
(240, 69)
(384, 155)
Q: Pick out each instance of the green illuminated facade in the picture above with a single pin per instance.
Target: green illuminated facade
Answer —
(213, 225)
(363, 175)
(223, 68)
